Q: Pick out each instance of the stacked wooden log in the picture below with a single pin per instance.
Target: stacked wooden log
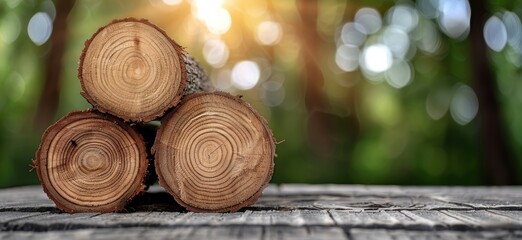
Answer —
(212, 151)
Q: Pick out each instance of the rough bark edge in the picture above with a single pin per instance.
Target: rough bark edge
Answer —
(52, 130)
(183, 71)
(267, 133)
(148, 132)
(197, 78)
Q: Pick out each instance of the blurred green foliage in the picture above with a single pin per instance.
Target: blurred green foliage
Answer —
(376, 134)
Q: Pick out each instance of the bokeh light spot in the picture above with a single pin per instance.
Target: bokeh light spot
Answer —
(376, 58)
(219, 22)
(272, 93)
(347, 57)
(428, 38)
(10, 28)
(400, 74)
(514, 30)
(464, 105)
(454, 18)
(437, 104)
(269, 33)
(397, 40)
(495, 34)
(215, 52)
(403, 16)
(40, 28)
(353, 34)
(221, 79)
(245, 75)
(428, 8)
(369, 18)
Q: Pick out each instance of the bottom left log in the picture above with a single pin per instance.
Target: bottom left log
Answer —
(91, 162)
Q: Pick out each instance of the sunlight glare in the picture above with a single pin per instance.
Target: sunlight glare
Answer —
(172, 2)
(216, 18)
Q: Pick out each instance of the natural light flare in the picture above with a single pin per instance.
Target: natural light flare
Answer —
(216, 18)
(204, 8)
(172, 2)
(219, 22)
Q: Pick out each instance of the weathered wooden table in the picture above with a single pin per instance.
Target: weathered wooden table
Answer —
(283, 212)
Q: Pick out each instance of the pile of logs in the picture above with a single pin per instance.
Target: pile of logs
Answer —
(212, 151)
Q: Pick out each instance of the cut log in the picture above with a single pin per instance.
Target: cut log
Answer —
(214, 153)
(91, 162)
(130, 68)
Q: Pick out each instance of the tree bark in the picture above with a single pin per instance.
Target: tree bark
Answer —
(320, 138)
(498, 164)
(214, 153)
(91, 162)
(50, 93)
(130, 68)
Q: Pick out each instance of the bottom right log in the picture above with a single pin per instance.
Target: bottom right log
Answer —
(214, 153)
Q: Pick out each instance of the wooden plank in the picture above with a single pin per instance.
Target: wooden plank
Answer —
(45, 222)
(299, 233)
(513, 215)
(340, 190)
(58, 221)
(287, 211)
(374, 219)
(485, 219)
(436, 219)
(204, 232)
(364, 234)
(367, 202)
(13, 216)
(30, 198)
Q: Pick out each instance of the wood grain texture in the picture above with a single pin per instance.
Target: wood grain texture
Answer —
(91, 162)
(130, 68)
(214, 153)
(283, 212)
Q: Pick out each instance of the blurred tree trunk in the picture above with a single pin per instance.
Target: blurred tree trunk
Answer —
(50, 91)
(498, 163)
(319, 135)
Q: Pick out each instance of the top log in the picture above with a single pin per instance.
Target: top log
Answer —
(130, 68)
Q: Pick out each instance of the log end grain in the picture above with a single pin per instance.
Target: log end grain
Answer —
(130, 68)
(91, 162)
(214, 153)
